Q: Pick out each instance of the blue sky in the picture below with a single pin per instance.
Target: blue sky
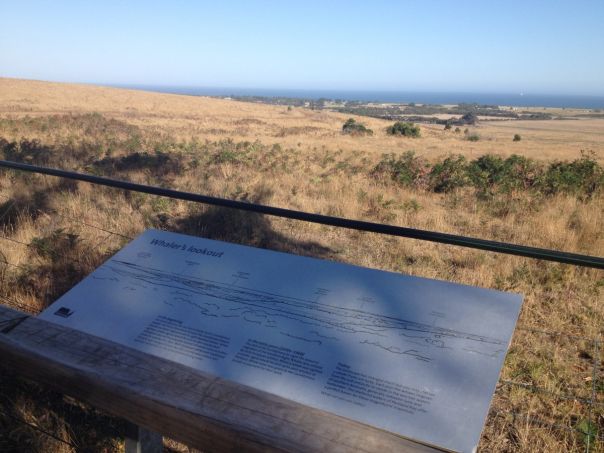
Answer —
(511, 46)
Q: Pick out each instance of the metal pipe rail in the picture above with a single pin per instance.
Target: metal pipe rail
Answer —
(391, 230)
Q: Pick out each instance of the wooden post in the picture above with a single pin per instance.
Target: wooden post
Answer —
(196, 408)
(141, 440)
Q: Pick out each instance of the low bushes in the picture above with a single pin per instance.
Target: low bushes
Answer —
(407, 170)
(404, 129)
(491, 174)
(353, 128)
(449, 174)
(579, 177)
(164, 158)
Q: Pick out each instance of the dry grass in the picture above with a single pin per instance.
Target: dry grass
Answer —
(204, 118)
(327, 173)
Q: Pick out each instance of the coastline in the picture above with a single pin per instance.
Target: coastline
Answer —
(387, 97)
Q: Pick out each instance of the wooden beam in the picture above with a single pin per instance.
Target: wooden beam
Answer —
(196, 408)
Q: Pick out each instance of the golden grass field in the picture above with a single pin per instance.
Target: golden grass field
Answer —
(206, 118)
(553, 370)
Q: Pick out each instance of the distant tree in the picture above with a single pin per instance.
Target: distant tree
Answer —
(405, 129)
(517, 137)
(469, 118)
(457, 130)
(447, 126)
(353, 128)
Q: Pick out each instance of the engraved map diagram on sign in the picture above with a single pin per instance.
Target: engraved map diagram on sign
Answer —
(413, 356)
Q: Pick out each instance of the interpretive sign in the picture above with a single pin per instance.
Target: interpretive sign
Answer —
(410, 355)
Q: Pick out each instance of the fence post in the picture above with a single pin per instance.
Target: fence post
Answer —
(141, 440)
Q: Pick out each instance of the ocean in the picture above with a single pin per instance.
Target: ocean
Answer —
(420, 97)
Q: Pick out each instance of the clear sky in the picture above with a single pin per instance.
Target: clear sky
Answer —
(529, 46)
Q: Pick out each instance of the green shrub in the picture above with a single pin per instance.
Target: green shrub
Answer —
(486, 171)
(583, 176)
(473, 137)
(353, 128)
(407, 170)
(449, 174)
(227, 151)
(490, 174)
(520, 173)
(405, 129)
(448, 126)
(517, 137)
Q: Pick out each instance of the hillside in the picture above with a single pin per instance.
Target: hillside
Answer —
(55, 232)
(204, 118)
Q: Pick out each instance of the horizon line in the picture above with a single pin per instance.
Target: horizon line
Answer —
(307, 89)
(344, 90)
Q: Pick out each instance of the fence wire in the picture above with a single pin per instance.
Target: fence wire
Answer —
(38, 429)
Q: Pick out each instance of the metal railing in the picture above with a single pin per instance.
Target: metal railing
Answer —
(360, 225)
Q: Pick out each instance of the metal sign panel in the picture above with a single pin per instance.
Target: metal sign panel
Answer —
(413, 356)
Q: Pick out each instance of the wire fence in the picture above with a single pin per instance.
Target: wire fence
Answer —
(37, 429)
(594, 406)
